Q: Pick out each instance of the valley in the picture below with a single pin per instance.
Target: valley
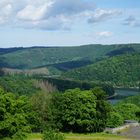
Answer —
(66, 89)
(69, 70)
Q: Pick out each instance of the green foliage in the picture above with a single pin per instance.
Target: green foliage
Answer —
(114, 120)
(132, 100)
(64, 84)
(52, 135)
(9, 50)
(121, 71)
(25, 58)
(1, 72)
(122, 50)
(40, 56)
(127, 111)
(80, 111)
(71, 64)
(14, 116)
(41, 105)
(121, 112)
(18, 84)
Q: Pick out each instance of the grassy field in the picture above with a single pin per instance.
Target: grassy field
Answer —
(36, 136)
(98, 136)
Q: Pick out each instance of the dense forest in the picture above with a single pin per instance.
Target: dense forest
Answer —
(19, 84)
(32, 57)
(66, 90)
(29, 85)
(63, 84)
(29, 104)
(114, 64)
(133, 100)
(121, 71)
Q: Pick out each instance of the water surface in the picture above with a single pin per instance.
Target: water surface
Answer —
(124, 93)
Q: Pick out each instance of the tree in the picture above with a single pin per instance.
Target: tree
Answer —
(1, 72)
(14, 115)
(103, 108)
(41, 105)
(80, 111)
(52, 135)
(127, 111)
(19, 84)
(114, 120)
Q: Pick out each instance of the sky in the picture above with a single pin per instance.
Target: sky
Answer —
(25, 23)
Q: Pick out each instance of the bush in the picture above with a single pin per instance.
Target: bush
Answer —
(14, 116)
(80, 111)
(52, 135)
(127, 111)
(114, 120)
(19, 136)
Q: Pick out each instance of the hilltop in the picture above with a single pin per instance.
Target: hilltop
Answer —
(121, 71)
(63, 58)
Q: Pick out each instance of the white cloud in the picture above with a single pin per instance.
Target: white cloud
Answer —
(51, 14)
(32, 13)
(101, 15)
(5, 12)
(104, 34)
(131, 21)
(54, 23)
(70, 7)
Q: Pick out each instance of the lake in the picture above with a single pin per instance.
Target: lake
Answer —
(124, 93)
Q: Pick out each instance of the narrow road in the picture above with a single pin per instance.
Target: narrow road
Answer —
(112, 96)
(132, 132)
(95, 138)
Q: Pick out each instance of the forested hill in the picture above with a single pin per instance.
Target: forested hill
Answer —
(122, 71)
(67, 57)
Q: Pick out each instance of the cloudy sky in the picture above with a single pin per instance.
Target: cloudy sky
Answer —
(68, 22)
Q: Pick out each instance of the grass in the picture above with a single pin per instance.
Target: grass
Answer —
(97, 136)
(35, 136)
(71, 136)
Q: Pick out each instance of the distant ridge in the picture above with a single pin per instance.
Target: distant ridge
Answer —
(120, 71)
(61, 56)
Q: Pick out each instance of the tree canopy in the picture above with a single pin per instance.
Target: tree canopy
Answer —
(15, 113)
(80, 111)
(120, 71)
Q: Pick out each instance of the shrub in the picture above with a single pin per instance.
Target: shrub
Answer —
(52, 135)
(114, 120)
(80, 111)
(127, 111)
(14, 116)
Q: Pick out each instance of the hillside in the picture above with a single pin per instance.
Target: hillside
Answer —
(121, 71)
(47, 71)
(133, 100)
(66, 58)
(64, 84)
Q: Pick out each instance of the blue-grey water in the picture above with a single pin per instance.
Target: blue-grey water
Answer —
(124, 93)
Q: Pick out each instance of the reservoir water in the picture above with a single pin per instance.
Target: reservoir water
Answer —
(124, 93)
